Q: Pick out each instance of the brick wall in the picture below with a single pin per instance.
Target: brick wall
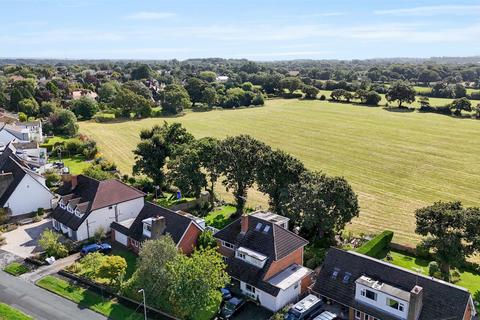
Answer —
(189, 240)
(277, 266)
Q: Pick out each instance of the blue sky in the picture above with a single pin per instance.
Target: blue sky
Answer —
(257, 30)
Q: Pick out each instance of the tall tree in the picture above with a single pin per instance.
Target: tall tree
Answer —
(276, 171)
(142, 72)
(401, 92)
(450, 231)
(195, 89)
(84, 108)
(321, 206)
(461, 104)
(175, 99)
(238, 160)
(195, 282)
(156, 145)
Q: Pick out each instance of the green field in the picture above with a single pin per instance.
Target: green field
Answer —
(396, 161)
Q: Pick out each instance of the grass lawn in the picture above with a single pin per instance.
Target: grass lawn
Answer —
(109, 308)
(16, 268)
(9, 313)
(130, 258)
(395, 161)
(76, 163)
(220, 218)
(468, 280)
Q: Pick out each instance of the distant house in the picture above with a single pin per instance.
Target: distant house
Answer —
(87, 204)
(293, 73)
(31, 152)
(265, 259)
(77, 94)
(21, 131)
(370, 289)
(154, 221)
(222, 79)
(22, 190)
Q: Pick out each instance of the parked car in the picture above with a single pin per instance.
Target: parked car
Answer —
(226, 294)
(305, 309)
(103, 248)
(326, 315)
(230, 307)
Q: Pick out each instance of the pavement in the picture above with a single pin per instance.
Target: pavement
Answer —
(23, 241)
(42, 271)
(39, 303)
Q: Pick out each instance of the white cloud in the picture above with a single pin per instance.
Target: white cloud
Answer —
(147, 15)
(433, 10)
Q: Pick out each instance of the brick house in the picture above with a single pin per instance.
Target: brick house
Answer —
(154, 221)
(370, 289)
(265, 259)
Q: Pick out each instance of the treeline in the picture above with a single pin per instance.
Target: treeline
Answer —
(317, 204)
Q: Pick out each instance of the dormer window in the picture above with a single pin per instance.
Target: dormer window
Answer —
(395, 304)
(69, 209)
(62, 205)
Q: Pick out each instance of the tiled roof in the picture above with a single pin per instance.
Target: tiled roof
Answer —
(441, 300)
(175, 224)
(90, 195)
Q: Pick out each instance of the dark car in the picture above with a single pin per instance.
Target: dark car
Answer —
(226, 294)
(230, 307)
(103, 248)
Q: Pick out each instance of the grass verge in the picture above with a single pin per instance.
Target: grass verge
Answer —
(16, 268)
(109, 308)
(9, 313)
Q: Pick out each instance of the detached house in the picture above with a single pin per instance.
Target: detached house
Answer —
(371, 289)
(265, 259)
(87, 204)
(22, 190)
(154, 221)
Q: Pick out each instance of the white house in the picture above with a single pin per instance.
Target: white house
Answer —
(21, 189)
(87, 204)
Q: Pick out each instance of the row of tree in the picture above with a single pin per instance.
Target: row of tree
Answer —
(318, 205)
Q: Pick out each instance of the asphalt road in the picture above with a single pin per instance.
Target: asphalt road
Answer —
(39, 303)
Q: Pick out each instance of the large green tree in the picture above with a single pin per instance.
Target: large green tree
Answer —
(175, 99)
(238, 160)
(129, 102)
(401, 92)
(321, 206)
(156, 145)
(276, 171)
(450, 231)
(84, 108)
(461, 104)
(63, 122)
(195, 282)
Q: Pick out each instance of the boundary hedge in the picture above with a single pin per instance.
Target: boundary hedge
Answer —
(375, 246)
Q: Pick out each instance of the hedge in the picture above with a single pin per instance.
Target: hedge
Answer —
(375, 246)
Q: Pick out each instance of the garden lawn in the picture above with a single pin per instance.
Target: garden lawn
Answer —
(9, 313)
(220, 218)
(130, 258)
(76, 163)
(16, 268)
(468, 279)
(395, 161)
(109, 308)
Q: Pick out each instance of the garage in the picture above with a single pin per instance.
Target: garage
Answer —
(121, 238)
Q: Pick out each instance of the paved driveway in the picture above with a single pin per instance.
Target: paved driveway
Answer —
(23, 241)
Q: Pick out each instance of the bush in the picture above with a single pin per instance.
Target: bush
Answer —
(4, 216)
(51, 179)
(433, 268)
(99, 234)
(104, 117)
(375, 246)
(22, 117)
(206, 240)
(323, 97)
(49, 241)
(454, 276)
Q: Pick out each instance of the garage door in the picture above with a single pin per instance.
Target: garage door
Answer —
(120, 237)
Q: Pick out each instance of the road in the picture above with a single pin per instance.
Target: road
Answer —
(39, 303)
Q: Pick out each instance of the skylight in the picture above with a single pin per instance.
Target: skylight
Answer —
(267, 228)
(346, 277)
(335, 273)
(258, 227)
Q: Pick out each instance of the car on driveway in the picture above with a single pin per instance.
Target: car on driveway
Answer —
(326, 315)
(103, 248)
(226, 294)
(230, 307)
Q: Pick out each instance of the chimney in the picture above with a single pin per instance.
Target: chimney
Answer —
(416, 303)
(158, 227)
(74, 181)
(244, 223)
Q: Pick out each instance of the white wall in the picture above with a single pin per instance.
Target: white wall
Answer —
(381, 302)
(29, 196)
(266, 300)
(105, 216)
(288, 295)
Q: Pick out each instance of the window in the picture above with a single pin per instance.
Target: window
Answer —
(335, 273)
(250, 288)
(241, 255)
(369, 294)
(346, 277)
(358, 315)
(148, 227)
(395, 304)
(228, 245)
(110, 207)
(267, 228)
(258, 227)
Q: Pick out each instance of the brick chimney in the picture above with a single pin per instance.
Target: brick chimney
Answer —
(244, 223)
(158, 227)
(416, 303)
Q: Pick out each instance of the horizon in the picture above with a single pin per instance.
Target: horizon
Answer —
(266, 31)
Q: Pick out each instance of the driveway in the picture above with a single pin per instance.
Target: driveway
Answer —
(251, 311)
(23, 241)
(41, 304)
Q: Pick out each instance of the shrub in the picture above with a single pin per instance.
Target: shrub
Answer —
(206, 240)
(4, 216)
(51, 179)
(375, 246)
(99, 234)
(433, 268)
(49, 241)
(22, 117)
(454, 276)
(323, 97)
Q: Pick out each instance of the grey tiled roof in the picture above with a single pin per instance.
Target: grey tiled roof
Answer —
(441, 300)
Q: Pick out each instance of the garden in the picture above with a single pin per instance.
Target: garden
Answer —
(9, 313)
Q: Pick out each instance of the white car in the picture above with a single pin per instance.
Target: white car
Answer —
(326, 315)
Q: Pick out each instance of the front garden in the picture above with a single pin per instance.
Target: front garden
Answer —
(16, 268)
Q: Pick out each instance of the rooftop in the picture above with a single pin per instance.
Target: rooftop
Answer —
(289, 276)
(383, 287)
(271, 217)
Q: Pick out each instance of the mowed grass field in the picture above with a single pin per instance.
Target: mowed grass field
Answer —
(395, 161)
